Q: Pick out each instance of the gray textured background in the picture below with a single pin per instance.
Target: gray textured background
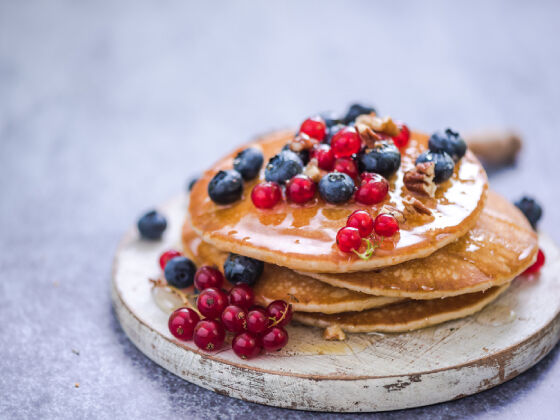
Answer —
(106, 108)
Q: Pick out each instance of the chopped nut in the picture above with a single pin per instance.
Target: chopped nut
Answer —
(420, 180)
(397, 214)
(312, 170)
(368, 136)
(412, 205)
(334, 332)
(383, 125)
(302, 142)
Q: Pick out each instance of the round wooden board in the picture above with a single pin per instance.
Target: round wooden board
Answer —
(367, 372)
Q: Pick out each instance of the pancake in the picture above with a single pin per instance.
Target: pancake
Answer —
(500, 246)
(302, 237)
(405, 316)
(304, 293)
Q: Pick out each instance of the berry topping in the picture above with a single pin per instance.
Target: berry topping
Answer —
(283, 167)
(242, 295)
(362, 221)
(302, 154)
(279, 313)
(226, 187)
(241, 269)
(246, 345)
(266, 195)
(531, 209)
(331, 131)
(211, 302)
(450, 142)
(152, 225)
(324, 155)
(179, 272)
(300, 189)
(166, 256)
(346, 165)
(536, 267)
(207, 276)
(373, 189)
(384, 159)
(274, 339)
(402, 139)
(444, 165)
(336, 187)
(355, 111)
(182, 322)
(191, 183)
(248, 162)
(209, 335)
(234, 318)
(314, 127)
(348, 239)
(346, 142)
(257, 320)
(385, 225)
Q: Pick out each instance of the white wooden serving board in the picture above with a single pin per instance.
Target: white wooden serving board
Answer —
(368, 372)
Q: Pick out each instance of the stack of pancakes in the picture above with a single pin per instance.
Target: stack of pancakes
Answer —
(444, 265)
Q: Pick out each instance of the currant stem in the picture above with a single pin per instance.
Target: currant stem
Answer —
(182, 295)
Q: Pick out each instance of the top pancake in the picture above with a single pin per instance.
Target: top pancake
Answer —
(303, 237)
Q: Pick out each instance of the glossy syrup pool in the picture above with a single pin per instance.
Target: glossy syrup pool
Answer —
(311, 229)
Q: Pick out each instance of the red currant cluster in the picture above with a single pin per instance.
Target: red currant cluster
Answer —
(255, 327)
(339, 156)
(359, 228)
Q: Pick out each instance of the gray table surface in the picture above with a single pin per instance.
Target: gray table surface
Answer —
(107, 108)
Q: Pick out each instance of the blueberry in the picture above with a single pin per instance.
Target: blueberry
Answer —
(248, 163)
(531, 209)
(240, 269)
(152, 225)
(450, 142)
(303, 154)
(444, 164)
(384, 159)
(331, 131)
(336, 187)
(283, 167)
(191, 183)
(355, 111)
(226, 187)
(179, 272)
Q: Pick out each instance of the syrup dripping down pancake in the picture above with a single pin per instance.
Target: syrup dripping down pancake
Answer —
(304, 293)
(302, 237)
(500, 246)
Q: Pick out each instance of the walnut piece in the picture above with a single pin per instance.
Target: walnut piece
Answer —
(368, 136)
(334, 332)
(302, 142)
(382, 125)
(312, 170)
(397, 214)
(414, 206)
(420, 180)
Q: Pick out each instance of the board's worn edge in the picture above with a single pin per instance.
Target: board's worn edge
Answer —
(336, 394)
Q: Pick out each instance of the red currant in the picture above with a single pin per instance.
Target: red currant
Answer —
(279, 312)
(207, 276)
(211, 302)
(246, 345)
(300, 189)
(314, 127)
(402, 139)
(362, 221)
(347, 165)
(274, 339)
(242, 295)
(266, 195)
(346, 142)
(166, 256)
(324, 155)
(535, 268)
(348, 239)
(182, 322)
(234, 318)
(385, 225)
(257, 320)
(372, 190)
(209, 335)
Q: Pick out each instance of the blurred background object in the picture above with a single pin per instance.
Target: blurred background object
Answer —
(108, 108)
